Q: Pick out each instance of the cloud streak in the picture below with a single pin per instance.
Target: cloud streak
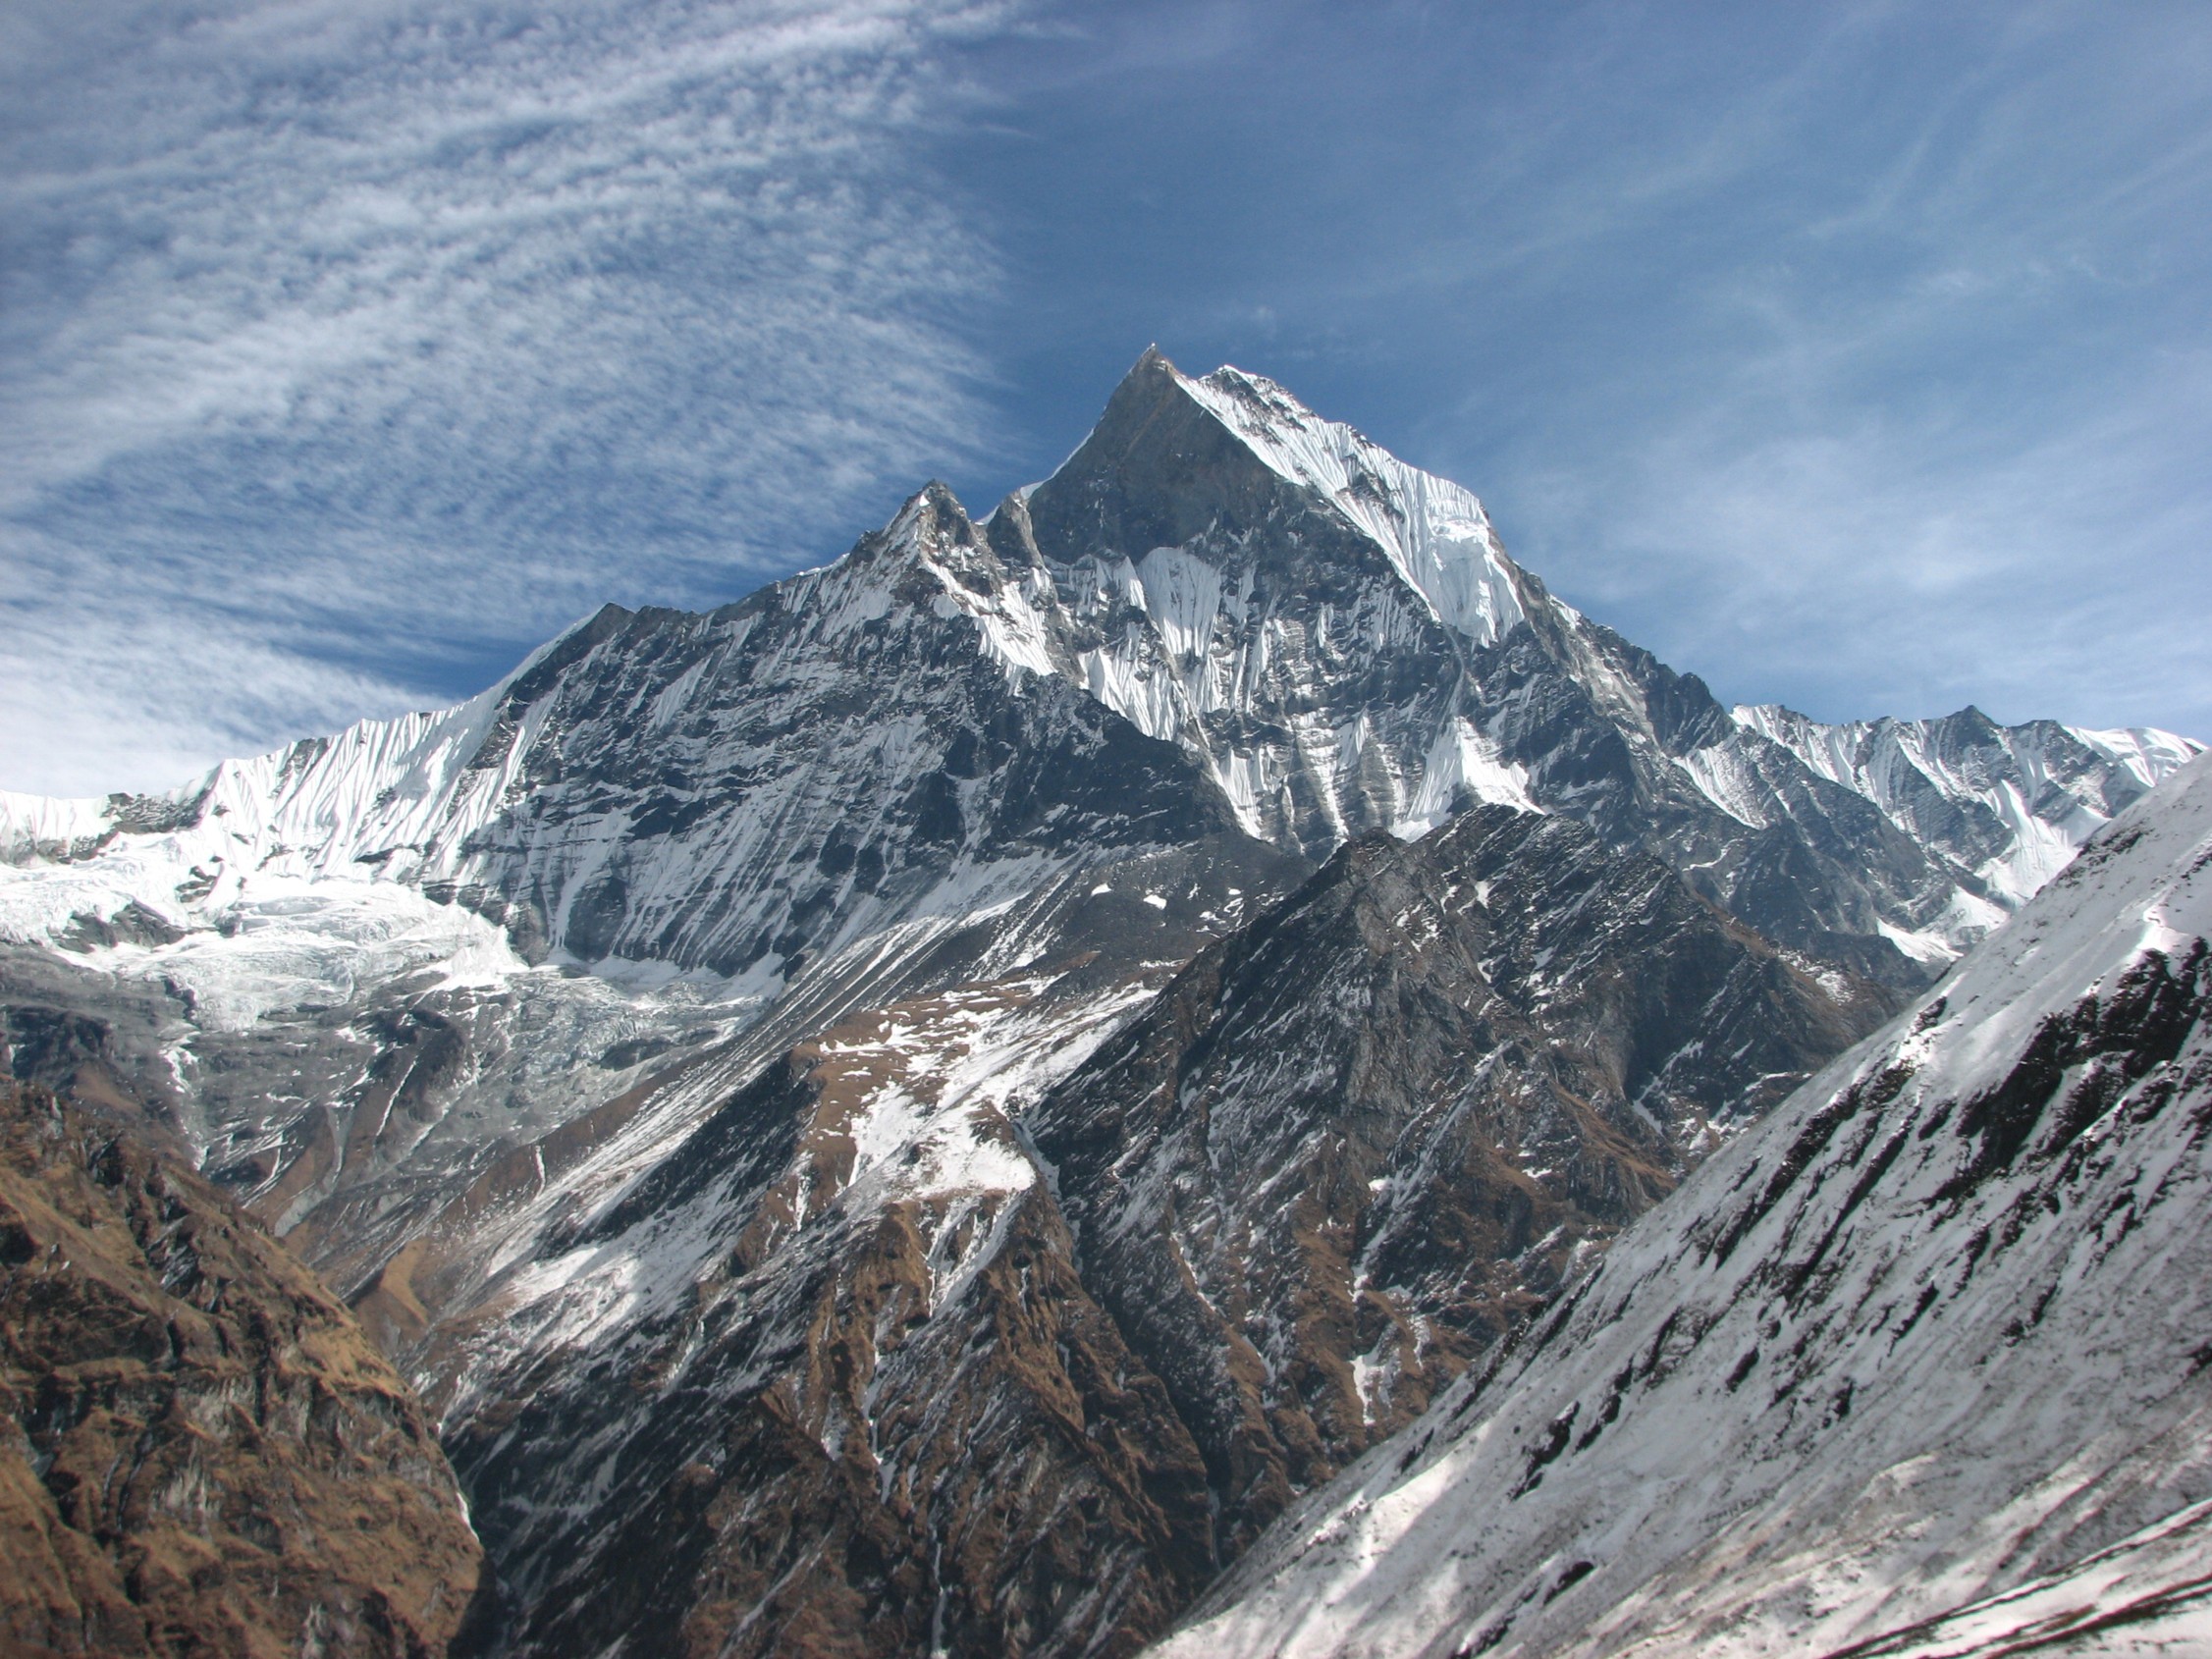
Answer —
(352, 348)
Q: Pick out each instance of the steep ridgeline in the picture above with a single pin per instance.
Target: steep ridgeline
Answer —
(1917, 1366)
(2006, 804)
(1357, 1141)
(849, 1374)
(204, 1453)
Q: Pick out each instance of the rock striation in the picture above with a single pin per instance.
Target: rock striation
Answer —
(1359, 1141)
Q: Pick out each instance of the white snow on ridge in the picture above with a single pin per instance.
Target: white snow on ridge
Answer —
(1719, 773)
(1861, 1380)
(2016, 777)
(2147, 752)
(1442, 545)
(382, 799)
(1462, 757)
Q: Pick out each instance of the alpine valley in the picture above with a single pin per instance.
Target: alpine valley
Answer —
(947, 1104)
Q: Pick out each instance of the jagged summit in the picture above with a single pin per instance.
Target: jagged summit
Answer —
(1176, 461)
(2008, 803)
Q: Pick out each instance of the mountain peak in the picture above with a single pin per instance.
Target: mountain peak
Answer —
(1176, 457)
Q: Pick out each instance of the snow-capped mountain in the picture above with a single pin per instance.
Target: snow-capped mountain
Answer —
(1916, 1366)
(1346, 645)
(705, 1025)
(1336, 640)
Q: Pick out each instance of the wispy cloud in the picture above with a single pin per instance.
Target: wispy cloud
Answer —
(351, 346)
(1899, 397)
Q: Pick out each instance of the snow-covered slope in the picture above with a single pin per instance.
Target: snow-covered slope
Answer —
(1919, 1364)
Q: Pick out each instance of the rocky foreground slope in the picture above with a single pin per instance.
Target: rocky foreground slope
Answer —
(204, 1454)
(1917, 1366)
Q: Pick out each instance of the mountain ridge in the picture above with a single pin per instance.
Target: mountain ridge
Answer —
(696, 1026)
(1915, 1350)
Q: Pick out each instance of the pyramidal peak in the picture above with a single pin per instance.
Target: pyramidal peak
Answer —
(1435, 533)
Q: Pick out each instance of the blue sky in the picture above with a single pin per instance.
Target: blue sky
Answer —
(1855, 357)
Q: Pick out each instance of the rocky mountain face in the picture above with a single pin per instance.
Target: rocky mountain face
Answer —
(978, 1365)
(1916, 1365)
(205, 1454)
(721, 1062)
(1355, 1143)
(1344, 641)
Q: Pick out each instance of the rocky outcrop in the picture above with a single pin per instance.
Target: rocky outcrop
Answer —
(812, 1391)
(1358, 1141)
(203, 1453)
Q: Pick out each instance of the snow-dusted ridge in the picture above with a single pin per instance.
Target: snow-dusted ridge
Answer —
(1930, 1335)
(1438, 536)
(2030, 794)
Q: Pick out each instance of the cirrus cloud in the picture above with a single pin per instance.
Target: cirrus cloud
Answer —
(352, 348)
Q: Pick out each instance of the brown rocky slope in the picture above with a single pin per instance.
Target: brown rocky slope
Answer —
(200, 1451)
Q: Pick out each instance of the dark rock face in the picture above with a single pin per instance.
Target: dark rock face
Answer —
(1353, 1144)
(940, 1402)
(207, 1454)
(880, 1414)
